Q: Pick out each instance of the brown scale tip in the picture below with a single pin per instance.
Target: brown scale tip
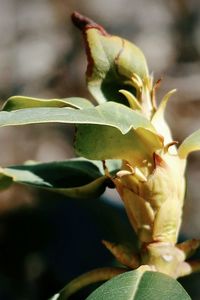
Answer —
(158, 161)
(83, 23)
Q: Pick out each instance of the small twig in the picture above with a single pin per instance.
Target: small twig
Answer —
(123, 254)
(101, 274)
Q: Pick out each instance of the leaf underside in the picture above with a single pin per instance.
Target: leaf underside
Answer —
(21, 102)
(103, 142)
(74, 178)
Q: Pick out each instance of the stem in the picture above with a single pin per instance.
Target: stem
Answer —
(101, 274)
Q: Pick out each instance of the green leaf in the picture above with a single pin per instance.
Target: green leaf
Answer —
(190, 144)
(112, 61)
(5, 180)
(110, 113)
(96, 275)
(73, 178)
(24, 176)
(20, 102)
(132, 100)
(140, 285)
(104, 142)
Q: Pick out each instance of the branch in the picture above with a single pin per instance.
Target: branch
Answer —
(101, 274)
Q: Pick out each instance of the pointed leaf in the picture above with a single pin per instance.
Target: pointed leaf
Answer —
(123, 253)
(190, 144)
(74, 178)
(93, 189)
(158, 119)
(189, 247)
(140, 285)
(159, 114)
(110, 113)
(104, 142)
(132, 100)
(20, 102)
(112, 61)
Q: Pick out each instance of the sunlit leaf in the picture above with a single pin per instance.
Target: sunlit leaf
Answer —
(158, 119)
(132, 100)
(109, 113)
(112, 61)
(20, 102)
(190, 144)
(103, 142)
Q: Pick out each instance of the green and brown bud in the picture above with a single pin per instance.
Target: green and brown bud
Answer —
(151, 181)
(153, 190)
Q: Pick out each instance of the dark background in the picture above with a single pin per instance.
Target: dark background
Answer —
(45, 239)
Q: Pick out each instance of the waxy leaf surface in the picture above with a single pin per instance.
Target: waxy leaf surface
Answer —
(112, 61)
(139, 285)
(109, 113)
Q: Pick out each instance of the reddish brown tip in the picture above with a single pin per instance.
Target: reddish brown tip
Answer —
(83, 23)
(158, 161)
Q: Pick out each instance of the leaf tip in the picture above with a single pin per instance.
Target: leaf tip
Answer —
(80, 21)
(83, 23)
(158, 161)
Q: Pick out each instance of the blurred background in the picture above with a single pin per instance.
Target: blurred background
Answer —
(45, 239)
